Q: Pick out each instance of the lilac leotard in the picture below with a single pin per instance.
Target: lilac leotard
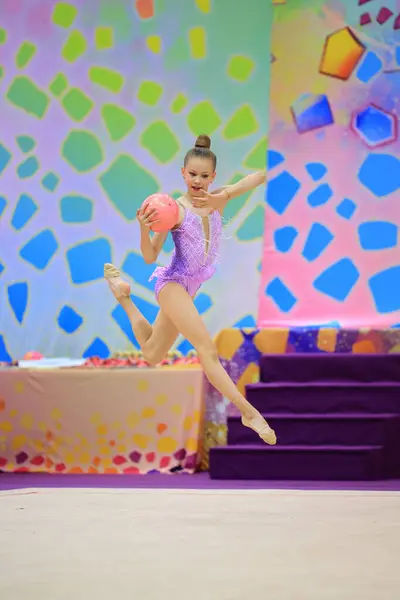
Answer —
(192, 263)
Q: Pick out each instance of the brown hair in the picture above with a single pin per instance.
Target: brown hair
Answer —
(202, 149)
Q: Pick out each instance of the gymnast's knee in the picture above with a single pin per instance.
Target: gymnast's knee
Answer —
(152, 357)
(207, 351)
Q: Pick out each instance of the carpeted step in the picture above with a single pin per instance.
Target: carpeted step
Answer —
(348, 429)
(325, 463)
(324, 397)
(330, 367)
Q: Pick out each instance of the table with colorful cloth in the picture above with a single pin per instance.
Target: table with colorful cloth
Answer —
(88, 420)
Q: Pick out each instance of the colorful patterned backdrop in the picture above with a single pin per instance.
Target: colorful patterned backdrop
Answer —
(100, 99)
(331, 250)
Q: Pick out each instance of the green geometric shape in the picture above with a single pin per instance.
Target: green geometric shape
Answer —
(28, 168)
(77, 104)
(179, 103)
(252, 227)
(50, 181)
(235, 205)
(59, 84)
(24, 94)
(107, 78)
(118, 121)
(160, 141)
(203, 118)
(104, 38)
(240, 68)
(241, 124)
(150, 92)
(25, 143)
(257, 158)
(74, 47)
(176, 195)
(64, 14)
(82, 150)
(122, 177)
(25, 54)
(3, 36)
(1, 72)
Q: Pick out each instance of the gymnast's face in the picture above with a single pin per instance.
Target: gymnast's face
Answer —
(198, 174)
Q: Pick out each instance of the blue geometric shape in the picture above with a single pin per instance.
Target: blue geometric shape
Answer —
(203, 303)
(2, 267)
(86, 260)
(69, 320)
(338, 280)
(378, 235)
(375, 126)
(50, 181)
(370, 66)
(316, 170)
(380, 174)
(346, 208)
(76, 209)
(28, 167)
(385, 289)
(97, 348)
(135, 266)
(311, 112)
(246, 322)
(5, 158)
(4, 355)
(281, 190)
(25, 143)
(317, 241)
(185, 347)
(3, 204)
(168, 244)
(18, 299)
(281, 295)
(274, 159)
(40, 249)
(284, 238)
(24, 211)
(320, 195)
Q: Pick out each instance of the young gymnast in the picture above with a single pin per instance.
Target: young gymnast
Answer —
(196, 237)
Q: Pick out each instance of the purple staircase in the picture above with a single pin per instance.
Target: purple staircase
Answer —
(337, 417)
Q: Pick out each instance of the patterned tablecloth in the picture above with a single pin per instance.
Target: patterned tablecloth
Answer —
(101, 420)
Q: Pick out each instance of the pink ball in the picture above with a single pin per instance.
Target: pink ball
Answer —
(167, 209)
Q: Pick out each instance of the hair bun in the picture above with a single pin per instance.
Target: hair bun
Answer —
(203, 141)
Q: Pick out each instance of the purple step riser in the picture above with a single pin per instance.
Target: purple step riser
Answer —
(319, 431)
(327, 367)
(308, 466)
(326, 400)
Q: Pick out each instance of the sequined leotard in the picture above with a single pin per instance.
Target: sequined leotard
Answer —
(193, 260)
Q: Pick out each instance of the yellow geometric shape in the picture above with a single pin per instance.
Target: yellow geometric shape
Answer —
(121, 448)
(197, 42)
(13, 413)
(6, 426)
(19, 387)
(105, 450)
(148, 413)
(341, 54)
(176, 409)
(56, 414)
(251, 374)
(161, 399)
(116, 425)
(106, 462)
(26, 421)
(121, 436)
(58, 426)
(197, 416)
(85, 458)
(142, 385)
(132, 420)
(272, 341)
(96, 419)
(38, 445)
(141, 441)
(364, 347)
(192, 445)
(42, 426)
(190, 390)
(395, 349)
(18, 442)
(102, 430)
(326, 340)
(154, 44)
(204, 6)
(167, 445)
(188, 423)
